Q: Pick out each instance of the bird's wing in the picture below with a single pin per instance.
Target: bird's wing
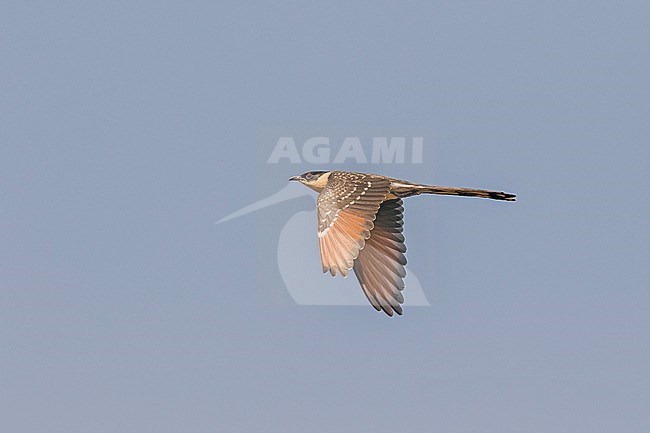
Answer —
(380, 264)
(346, 208)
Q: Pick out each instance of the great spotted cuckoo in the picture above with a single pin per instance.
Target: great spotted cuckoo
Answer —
(360, 218)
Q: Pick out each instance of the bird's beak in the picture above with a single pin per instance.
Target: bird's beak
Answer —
(294, 178)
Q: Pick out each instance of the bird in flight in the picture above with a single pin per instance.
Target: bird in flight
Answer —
(360, 219)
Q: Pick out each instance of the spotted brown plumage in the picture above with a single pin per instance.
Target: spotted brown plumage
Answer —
(360, 219)
(346, 209)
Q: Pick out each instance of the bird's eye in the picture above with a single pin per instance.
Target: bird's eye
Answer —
(309, 176)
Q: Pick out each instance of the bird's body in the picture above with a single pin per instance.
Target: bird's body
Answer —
(360, 218)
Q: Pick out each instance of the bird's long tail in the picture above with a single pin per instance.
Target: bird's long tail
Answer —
(407, 190)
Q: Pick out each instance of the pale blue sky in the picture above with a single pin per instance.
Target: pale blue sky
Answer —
(128, 128)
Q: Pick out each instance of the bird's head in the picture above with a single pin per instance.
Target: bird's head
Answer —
(315, 180)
